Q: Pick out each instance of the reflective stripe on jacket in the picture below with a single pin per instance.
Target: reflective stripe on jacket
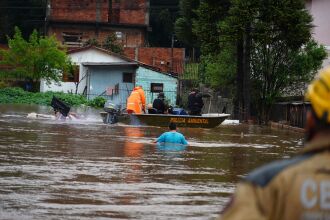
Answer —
(297, 188)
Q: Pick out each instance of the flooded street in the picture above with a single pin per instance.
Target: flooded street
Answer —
(85, 169)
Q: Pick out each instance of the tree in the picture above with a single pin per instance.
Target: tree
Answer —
(38, 58)
(278, 75)
(110, 43)
(273, 37)
(206, 24)
(92, 42)
(184, 24)
(162, 23)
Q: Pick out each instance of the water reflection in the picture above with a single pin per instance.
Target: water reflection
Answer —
(88, 170)
(132, 148)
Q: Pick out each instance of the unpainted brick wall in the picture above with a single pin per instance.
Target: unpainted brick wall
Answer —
(159, 57)
(130, 11)
(78, 10)
(131, 38)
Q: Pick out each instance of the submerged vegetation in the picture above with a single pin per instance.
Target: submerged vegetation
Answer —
(19, 96)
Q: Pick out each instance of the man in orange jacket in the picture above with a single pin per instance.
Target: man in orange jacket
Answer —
(136, 102)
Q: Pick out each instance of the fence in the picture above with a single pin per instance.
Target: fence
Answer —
(291, 113)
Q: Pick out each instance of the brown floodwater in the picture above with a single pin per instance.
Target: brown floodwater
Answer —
(84, 169)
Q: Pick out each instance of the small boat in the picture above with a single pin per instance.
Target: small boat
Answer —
(162, 120)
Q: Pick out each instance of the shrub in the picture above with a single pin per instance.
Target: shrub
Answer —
(19, 96)
(97, 102)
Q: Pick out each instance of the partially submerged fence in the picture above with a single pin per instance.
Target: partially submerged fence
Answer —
(290, 113)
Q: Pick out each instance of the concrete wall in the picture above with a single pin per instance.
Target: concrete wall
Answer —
(319, 9)
(146, 76)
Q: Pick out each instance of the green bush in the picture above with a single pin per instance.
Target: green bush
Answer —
(97, 102)
(19, 96)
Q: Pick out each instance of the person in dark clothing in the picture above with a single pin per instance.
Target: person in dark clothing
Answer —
(195, 102)
(159, 103)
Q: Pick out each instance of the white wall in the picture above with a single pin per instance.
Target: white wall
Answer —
(319, 9)
(89, 55)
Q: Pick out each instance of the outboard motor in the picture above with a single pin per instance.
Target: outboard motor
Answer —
(60, 106)
(113, 112)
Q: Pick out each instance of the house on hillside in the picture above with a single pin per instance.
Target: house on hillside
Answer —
(102, 73)
(74, 22)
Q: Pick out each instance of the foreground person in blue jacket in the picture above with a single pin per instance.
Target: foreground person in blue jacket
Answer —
(172, 136)
(297, 188)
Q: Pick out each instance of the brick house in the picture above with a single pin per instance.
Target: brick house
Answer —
(74, 22)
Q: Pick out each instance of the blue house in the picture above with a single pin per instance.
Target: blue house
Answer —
(154, 82)
(113, 81)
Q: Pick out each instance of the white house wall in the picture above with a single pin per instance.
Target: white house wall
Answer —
(319, 9)
(90, 55)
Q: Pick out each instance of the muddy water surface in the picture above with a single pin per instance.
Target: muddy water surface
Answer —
(84, 169)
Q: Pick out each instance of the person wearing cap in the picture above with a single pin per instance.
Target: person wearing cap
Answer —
(159, 103)
(296, 188)
(136, 102)
(195, 102)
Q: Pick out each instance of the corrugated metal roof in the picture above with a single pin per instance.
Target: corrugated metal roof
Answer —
(129, 60)
(110, 64)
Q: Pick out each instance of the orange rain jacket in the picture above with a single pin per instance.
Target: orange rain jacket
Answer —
(136, 102)
(296, 188)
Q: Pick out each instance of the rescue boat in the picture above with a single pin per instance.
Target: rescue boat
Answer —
(162, 120)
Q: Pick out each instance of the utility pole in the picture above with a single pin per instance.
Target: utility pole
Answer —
(172, 45)
(47, 17)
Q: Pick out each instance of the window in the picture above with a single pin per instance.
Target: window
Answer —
(128, 77)
(72, 39)
(119, 35)
(156, 87)
(72, 76)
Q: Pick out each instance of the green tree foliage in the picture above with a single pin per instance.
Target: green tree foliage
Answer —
(92, 42)
(272, 78)
(271, 41)
(183, 25)
(219, 68)
(38, 58)
(206, 25)
(110, 43)
(162, 23)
